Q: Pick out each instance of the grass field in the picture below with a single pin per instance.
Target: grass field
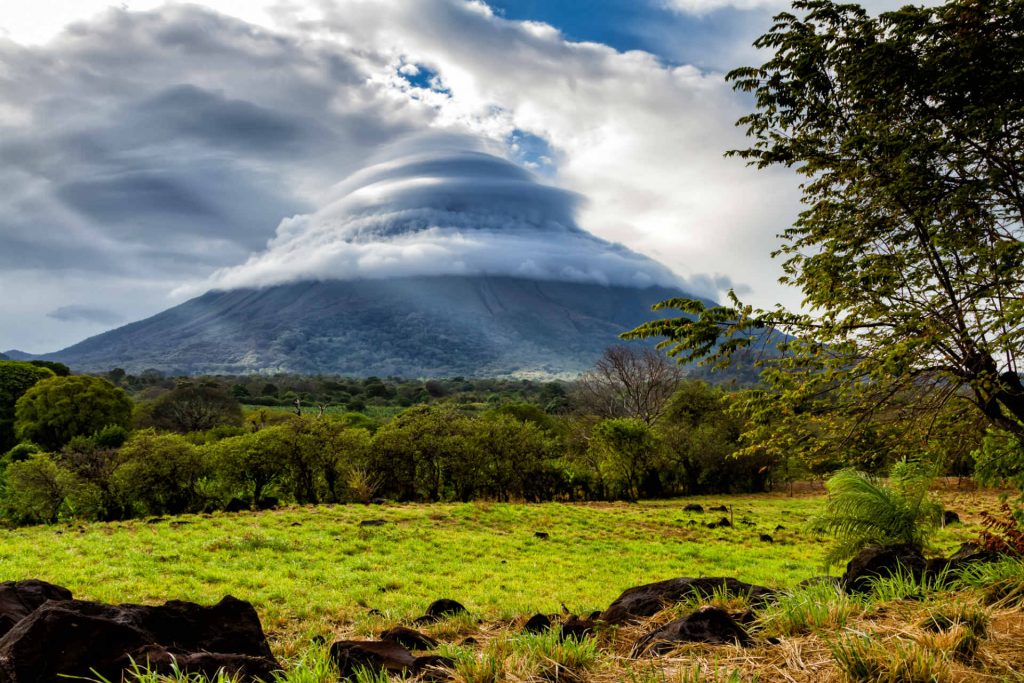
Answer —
(314, 570)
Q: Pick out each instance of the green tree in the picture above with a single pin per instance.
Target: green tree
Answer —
(251, 464)
(628, 449)
(195, 407)
(58, 369)
(57, 409)
(159, 474)
(35, 490)
(908, 128)
(424, 453)
(15, 379)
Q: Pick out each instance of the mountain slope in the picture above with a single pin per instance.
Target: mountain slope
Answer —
(414, 326)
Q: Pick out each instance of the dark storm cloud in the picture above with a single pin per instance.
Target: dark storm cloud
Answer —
(173, 140)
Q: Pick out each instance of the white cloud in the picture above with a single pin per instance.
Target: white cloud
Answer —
(443, 207)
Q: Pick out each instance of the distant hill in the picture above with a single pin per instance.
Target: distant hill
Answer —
(428, 326)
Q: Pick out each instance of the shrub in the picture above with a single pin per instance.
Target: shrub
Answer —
(35, 491)
(861, 512)
(249, 465)
(159, 474)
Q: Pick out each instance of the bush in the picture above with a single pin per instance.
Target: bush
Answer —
(57, 409)
(862, 512)
(159, 474)
(35, 491)
(248, 466)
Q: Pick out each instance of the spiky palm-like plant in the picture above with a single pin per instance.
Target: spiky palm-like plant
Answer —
(862, 511)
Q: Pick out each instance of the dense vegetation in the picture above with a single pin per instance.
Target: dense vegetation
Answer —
(126, 446)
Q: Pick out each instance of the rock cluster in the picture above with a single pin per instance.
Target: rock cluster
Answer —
(48, 636)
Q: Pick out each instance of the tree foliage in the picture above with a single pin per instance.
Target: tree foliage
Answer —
(57, 409)
(195, 407)
(15, 379)
(908, 129)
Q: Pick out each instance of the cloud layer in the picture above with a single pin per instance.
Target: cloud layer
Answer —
(442, 207)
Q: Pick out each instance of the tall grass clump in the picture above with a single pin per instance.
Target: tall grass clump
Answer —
(817, 607)
(864, 659)
(862, 511)
(1001, 583)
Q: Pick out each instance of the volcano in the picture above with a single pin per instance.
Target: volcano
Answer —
(444, 261)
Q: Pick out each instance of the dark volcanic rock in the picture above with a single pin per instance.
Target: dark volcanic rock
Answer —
(724, 522)
(972, 552)
(542, 535)
(442, 609)
(576, 628)
(694, 507)
(18, 599)
(373, 522)
(719, 508)
(409, 638)
(375, 655)
(538, 623)
(707, 625)
(878, 562)
(765, 538)
(950, 517)
(649, 599)
(71, 637)
(163, 661)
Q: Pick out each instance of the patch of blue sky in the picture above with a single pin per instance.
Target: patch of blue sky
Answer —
(716, 40)
(532, 151)
(420, 76)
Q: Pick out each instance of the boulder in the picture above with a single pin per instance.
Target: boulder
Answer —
(765, 538)
(538, 623)
(649, 599)
(950, 517)
(719, 508)
(18, 599)
(373, 522)
(694, 507)
(442, 609)
(71, 637)
(724, 522)
(409, 638)
(969, 553)
(542, 535)
(161, 660)
(711, 625)
(879, 562)
(375, 655)
(576, 628)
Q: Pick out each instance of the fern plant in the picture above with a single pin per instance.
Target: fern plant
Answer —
(862, 511)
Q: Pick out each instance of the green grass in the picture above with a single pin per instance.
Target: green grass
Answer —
(313, 570)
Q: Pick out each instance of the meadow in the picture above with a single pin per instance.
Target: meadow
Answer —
(315, 571)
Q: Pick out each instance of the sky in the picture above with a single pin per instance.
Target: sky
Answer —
(152, 150)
